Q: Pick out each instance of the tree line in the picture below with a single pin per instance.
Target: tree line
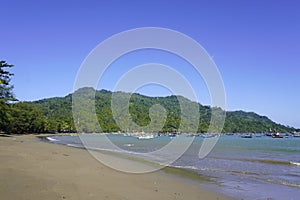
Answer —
(54, 115)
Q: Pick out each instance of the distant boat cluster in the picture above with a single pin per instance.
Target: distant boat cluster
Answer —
(274, 134)
(207, 135)
(144, 136)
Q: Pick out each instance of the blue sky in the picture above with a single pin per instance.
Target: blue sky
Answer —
(255, 45)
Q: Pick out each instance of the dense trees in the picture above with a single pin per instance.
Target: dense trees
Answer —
(26, 118)
(56, 114)
(19, 117)
(59, 111)
(5, 94)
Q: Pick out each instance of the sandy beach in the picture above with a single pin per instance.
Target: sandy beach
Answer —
(32, 169)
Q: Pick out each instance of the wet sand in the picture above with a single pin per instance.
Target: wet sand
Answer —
(32, 169)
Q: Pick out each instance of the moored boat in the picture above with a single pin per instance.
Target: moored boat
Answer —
(296, 135)
(277, 135)
(146, 136)
(246, 135)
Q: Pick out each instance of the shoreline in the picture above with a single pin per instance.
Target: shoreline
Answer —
(33, 169)
(181, 173)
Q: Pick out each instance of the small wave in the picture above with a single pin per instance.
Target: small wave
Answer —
(294, 175)
(275, 162)
(278, 162)
(118, 150)
(52, 139)
(186, 167)
(280, 182)
(73, 145)
(214, 170)
(128, 145)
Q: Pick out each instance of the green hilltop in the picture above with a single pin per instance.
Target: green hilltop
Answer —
(55, 115)
(127, 113)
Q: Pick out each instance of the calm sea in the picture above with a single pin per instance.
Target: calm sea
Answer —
(243, 168)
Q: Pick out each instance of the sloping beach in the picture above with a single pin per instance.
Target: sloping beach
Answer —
(32, 169)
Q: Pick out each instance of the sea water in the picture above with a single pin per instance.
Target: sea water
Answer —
(243, 168)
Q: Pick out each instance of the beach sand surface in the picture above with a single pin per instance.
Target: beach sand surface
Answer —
(32, 169)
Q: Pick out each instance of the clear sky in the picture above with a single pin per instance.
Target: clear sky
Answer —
(255, 44)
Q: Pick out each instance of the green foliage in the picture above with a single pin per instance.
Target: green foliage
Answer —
(5, 77)
(241, 122)
(59, 111)
(26, 118)
(5, 95)
(4, 115)
(56, 115)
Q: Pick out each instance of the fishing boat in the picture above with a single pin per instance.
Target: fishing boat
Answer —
(274, 134)
(296, 135)
(246, 135)
(193, 135)
(171, 135)
(268, 134)
(277, 135)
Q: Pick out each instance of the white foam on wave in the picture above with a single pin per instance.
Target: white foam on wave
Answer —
(295, 163)
(73, 145)
(185, 167)
(128, 145)
(52, 139)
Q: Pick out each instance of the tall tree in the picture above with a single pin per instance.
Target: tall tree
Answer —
(5, 94)
(5, 86)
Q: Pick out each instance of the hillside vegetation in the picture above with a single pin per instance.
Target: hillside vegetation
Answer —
(55, 115)
(119, 112)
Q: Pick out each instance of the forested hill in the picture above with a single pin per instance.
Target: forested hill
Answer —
(58, 115)
(55, 115)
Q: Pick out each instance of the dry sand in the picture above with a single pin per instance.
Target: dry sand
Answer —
(34, 170)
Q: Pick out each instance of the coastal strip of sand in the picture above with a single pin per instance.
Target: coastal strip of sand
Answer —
(32, 169)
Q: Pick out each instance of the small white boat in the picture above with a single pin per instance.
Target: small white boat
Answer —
(209, 135)
(146, 137)
(296, 135)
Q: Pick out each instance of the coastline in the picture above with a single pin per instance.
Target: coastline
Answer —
(32, 169)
